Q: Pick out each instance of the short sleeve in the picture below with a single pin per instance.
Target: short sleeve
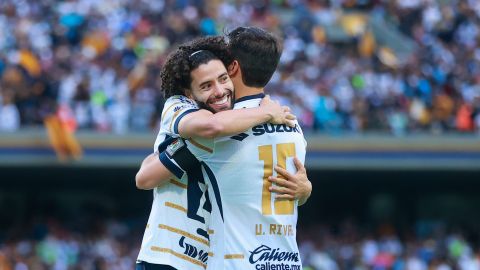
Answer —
(175, 108)
(178, 159)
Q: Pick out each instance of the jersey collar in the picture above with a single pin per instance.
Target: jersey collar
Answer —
(261, 95)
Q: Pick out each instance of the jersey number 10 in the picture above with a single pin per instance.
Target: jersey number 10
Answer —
(265, 153)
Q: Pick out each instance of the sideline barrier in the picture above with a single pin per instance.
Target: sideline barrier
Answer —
(373, 151)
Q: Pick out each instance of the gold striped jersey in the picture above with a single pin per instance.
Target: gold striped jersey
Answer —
(177, 233)
(252, 230)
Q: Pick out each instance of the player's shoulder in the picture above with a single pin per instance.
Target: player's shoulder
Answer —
(175, 105)
(174, 109)
(180, 100)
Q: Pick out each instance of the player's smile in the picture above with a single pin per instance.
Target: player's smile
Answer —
(221, 103)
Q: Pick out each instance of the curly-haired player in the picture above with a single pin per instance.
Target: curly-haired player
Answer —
(250, 228)
(175, 74)
(177, 236)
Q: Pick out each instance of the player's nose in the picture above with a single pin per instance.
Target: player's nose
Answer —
(218, 90)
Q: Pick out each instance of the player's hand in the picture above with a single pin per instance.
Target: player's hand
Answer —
(291, 187)
(278, 114)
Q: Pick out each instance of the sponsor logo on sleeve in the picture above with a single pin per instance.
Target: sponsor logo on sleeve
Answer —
(178, 108)
(176, 145)
(184, 99)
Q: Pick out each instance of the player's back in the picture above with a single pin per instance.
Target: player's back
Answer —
(259, 232)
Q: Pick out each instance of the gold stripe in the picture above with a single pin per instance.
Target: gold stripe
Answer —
(234, 256)
(184, 233)
(178, 183)
(179, 255)
(211, 232)
(265, 153)
(165, 111)
(284, 150)
(197, 144)
(175, 206)
(210, 254)
(173, 119)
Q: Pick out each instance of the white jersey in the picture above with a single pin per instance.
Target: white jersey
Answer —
(251, 230)
(176, 233)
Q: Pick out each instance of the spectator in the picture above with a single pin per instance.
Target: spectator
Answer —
(337, 72)
(9, 116)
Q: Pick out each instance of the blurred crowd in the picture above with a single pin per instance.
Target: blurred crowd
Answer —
(348, 246)
(115, 245)
(55, 246)
(97, 62)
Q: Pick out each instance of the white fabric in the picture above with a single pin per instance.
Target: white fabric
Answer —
(247, 238)
(163, 242)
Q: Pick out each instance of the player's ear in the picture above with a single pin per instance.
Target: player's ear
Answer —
(233, 68)
(188, 93)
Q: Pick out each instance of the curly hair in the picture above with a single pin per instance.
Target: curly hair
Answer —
(175, 74)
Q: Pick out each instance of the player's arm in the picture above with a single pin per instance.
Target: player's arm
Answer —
(292, 187)
(152, 173)
(206, 124)
(174, 160)
(202, 123)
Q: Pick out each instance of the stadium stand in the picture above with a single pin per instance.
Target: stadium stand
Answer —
(87, 70)
(398, 66)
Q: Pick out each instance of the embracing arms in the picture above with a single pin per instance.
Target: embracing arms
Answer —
(287, 186)
(205, 124)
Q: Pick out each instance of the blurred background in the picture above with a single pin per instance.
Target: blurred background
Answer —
(387, 92)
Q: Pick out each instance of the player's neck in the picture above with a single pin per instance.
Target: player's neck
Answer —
(243, 91)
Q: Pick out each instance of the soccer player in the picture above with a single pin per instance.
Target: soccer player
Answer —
(176, 236)
(250, 228)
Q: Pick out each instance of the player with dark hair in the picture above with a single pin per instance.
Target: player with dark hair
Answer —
(251, 229)
(176, 236)
(257, 53)
(175, 73)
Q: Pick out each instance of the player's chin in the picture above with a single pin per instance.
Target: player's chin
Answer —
(223, 106)
(217, 108)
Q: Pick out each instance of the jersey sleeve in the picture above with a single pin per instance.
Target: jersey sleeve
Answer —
(297, 126)
(175, 108)
(160, 138)
(178, 159)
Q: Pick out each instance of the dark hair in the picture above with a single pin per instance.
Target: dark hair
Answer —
(175, 74)
(257, 52)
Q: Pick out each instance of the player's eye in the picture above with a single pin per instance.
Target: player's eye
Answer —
(224, 79)
(206, 86)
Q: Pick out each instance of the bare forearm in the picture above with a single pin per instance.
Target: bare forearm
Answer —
(303, 200)
(205, 124)
(152, 173)
(235, 121)
(306, 192)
